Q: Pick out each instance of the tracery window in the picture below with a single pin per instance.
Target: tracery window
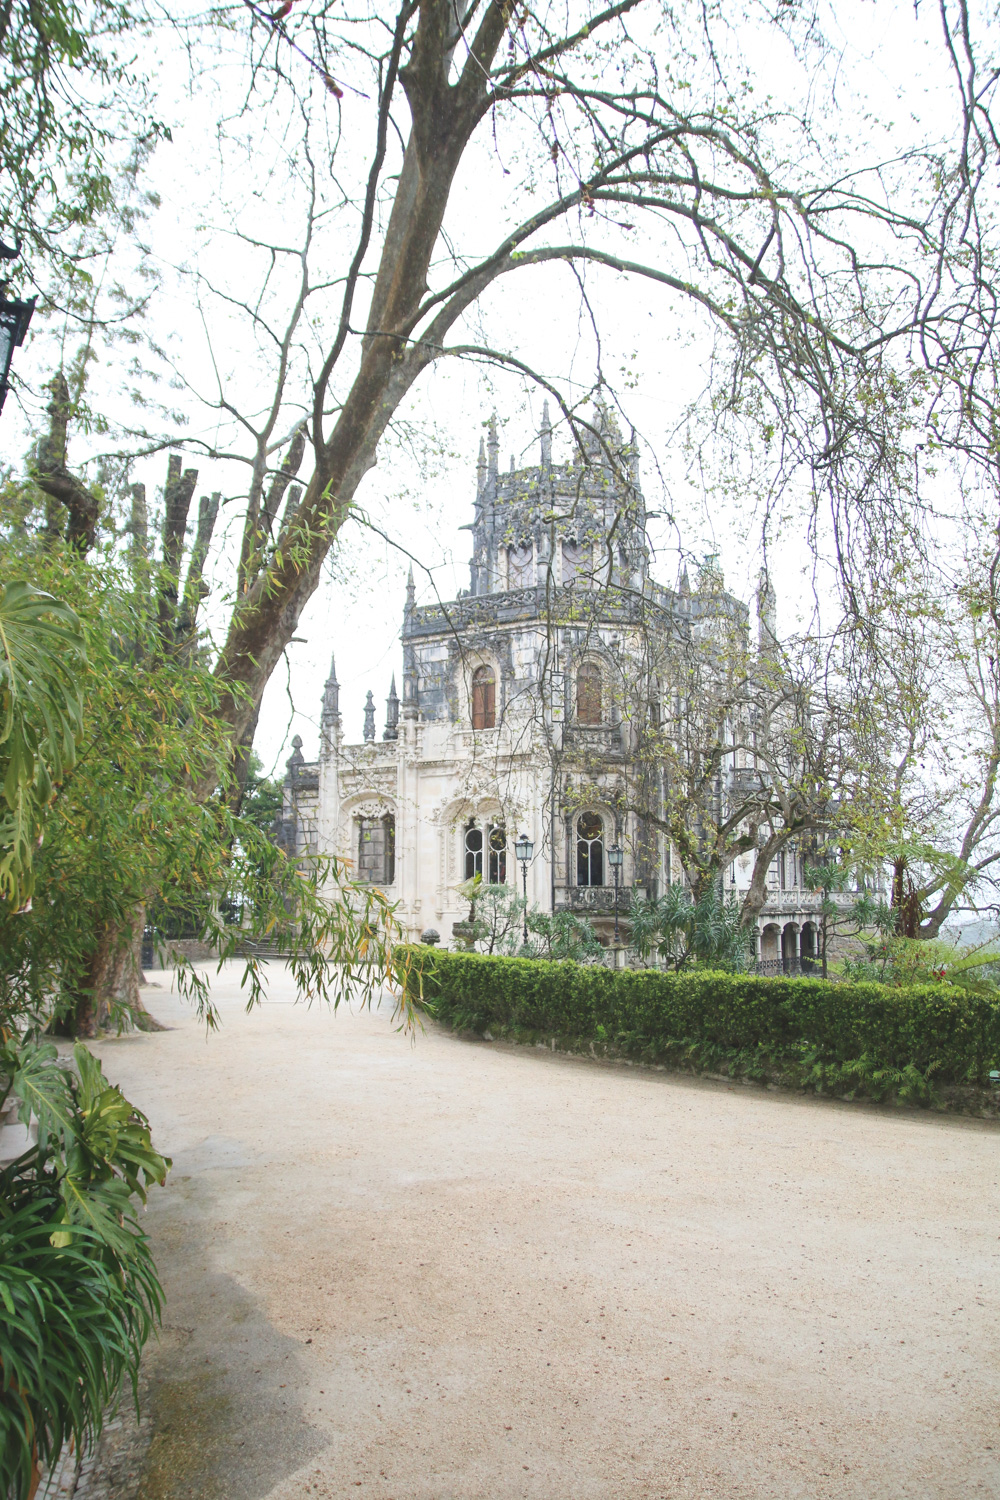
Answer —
(377, 849)
(576, 562)
(489, 844)
(588, 694)
(498, 855)
(519, 567)
(589, 849)
(484, 698)
(473, 852)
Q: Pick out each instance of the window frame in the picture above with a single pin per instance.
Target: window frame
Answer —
(589, 673)
(489, 860)
(585, 852)
(484, 698)
(496, 851)
(382, 872)
(525, 565)
(581, 562)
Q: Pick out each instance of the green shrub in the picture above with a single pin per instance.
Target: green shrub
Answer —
(852, 1036)
(78, 1289)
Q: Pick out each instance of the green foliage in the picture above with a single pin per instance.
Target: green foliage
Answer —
(497, 925)
(122, 728)
(66, 93)
(684, 931)
(78, 1289)
(561, 936)
(263, 798)
(496, 921)
(895, 960)
(126, 830)
(821, 1034)
(42, 656)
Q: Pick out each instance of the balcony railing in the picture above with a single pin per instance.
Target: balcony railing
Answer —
(771, 967)
(596, 900)
(783, 902)
(594, 739)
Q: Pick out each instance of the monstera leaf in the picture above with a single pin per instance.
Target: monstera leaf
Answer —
(42, 656)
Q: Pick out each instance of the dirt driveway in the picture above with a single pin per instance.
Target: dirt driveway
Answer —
(450, 1270)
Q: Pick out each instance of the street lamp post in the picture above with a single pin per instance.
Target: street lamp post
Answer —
(523, 851)
(615, 856)
(15, 315)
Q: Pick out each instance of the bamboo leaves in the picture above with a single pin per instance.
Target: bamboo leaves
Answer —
(42, 655)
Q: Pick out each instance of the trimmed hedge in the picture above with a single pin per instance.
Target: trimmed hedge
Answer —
(938, 1030)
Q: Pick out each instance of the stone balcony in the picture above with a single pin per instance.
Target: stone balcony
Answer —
(601, 740)
(786, 903)
(599, 900)
(596, 900)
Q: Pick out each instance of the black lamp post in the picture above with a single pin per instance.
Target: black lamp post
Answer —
(615, 856)
(15, 315)
(523, 850)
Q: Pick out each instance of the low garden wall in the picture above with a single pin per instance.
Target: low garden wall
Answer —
(847, 1037)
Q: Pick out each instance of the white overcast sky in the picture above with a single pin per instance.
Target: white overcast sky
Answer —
(889, 55)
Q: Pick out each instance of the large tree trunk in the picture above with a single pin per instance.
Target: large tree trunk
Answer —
(109, 991)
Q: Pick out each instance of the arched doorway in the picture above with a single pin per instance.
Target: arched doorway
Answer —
(809, 950)
(790, 948)
(770, 958)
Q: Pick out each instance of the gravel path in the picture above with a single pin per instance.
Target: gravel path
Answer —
(448, 1270)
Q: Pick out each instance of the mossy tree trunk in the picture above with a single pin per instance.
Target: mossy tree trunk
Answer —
(108, 993)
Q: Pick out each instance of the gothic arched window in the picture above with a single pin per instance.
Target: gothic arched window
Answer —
(588, 694)
(484, 698)
(519, 567)
(377, 849)
(486, 853)
(498, 855)
(576, 562)
(589, 849)
(473, 851)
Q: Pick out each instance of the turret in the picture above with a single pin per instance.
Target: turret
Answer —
(392, 713)
(411, 706)
(330, 716)
(767, 612)
(493, 449)
(546, 436)
(296, 760)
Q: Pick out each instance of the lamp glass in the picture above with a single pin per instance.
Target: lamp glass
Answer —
(615, 854)
(524, 848)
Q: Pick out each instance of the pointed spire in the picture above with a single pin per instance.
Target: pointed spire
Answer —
(369, 718)
(493, 447)
(684, 584)
(546, 436)
(392, 713)
(767, 612)
(481, 467)
(331, 697)
(411, 592)
(410, 688)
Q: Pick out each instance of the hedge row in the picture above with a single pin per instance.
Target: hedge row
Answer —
(937, 1029)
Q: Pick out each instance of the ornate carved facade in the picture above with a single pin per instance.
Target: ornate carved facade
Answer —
(518, 712)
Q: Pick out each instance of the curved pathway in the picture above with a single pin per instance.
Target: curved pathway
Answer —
(443, 1270)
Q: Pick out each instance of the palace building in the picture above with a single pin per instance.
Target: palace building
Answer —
(521, 713)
